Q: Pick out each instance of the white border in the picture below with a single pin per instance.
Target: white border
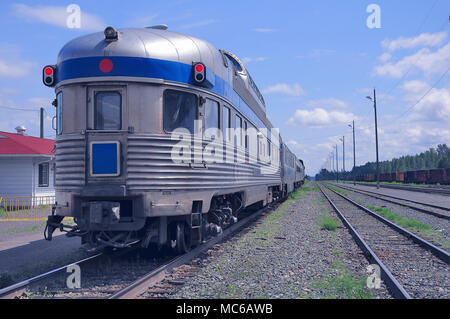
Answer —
(92, 158)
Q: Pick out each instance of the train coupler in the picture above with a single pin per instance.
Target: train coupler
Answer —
(54, 222)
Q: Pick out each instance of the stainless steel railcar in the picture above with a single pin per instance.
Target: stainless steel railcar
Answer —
(161, 139)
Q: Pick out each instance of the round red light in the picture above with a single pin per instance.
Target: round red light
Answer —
(199, 68)
(48, 70)
(106, 65)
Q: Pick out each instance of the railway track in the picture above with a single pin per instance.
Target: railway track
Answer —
(139, 286)
(18, 288)
(429, 209)
(428, 189)
(119, 286)
(410, 266)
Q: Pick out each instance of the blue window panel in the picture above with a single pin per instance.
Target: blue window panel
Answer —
(104, 159)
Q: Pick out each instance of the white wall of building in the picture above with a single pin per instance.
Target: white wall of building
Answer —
(19, 176)
(16, 176)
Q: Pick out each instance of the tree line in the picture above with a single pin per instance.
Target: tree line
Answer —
(430, 159)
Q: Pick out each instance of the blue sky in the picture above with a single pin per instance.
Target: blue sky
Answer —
(314, 61)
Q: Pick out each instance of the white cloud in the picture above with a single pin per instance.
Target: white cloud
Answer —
(57, 16)
(424, 39)
(40, 101)
(317, 53)
(15, 70)
(327, 103)
(282, 88)
(320, 118)
(198, 24)
(264, 30)
(248, 59)
(415, 86)
(424, 60)
(385, 57)
(434, 107)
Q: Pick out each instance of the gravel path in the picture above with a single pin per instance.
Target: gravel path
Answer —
(285, 255)
(422, 274)
(440, 228)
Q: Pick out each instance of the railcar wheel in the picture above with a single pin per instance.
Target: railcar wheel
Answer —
(180, 239)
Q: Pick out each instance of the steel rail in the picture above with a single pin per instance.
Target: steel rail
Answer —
(391, 282)
(440, 253)
(11, 291)
(379, 196)
(142, 284)
(409, 200)
(431, 190)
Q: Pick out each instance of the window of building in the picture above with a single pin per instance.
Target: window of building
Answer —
(108, 111)
(180, 110)
(211, 118)
(43, 174)
(59, 113)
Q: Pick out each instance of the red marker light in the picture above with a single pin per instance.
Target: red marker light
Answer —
(199, 68)
(106, 65)
(48, 70)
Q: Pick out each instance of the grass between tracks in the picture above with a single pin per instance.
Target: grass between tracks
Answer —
(400, 220)
(339, 282)
(339, 190)
(328, 223)
(412, 224)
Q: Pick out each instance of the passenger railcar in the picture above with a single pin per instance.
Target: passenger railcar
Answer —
(161, 139)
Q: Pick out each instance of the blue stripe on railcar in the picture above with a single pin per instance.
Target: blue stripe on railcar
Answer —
(152, 68)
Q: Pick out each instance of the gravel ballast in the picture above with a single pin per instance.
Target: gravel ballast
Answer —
(286, 254)
(439, 234)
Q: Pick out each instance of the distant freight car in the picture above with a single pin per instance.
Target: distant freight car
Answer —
(398, 177)
(421, 176)
(369, 177)
(385, 177)
(436, 176)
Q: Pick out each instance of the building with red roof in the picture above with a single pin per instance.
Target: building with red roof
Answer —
(26, 165)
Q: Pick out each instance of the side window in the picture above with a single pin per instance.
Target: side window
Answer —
(43, 174)
(108, 111)
(180, 110)
(59, 113)
(238, 134)
(211, 117)
(226, 123)
(245, 135)
(268, 148)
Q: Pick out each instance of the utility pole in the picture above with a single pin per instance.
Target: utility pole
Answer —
(354, 153)
(337, 165)
(343, 153)
(332, 157)
(42, 123)
(376, 133)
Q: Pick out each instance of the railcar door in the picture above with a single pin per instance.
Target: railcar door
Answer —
(106, 138)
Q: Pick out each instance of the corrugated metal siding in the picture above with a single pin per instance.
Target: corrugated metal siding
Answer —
(70, 161)
(16, 177)
(150, 167)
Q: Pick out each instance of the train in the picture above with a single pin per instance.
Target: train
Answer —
(430, 176)
(161, 140)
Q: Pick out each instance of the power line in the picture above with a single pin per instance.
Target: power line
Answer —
(18, 109)
(420, 56)
(426, 93)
